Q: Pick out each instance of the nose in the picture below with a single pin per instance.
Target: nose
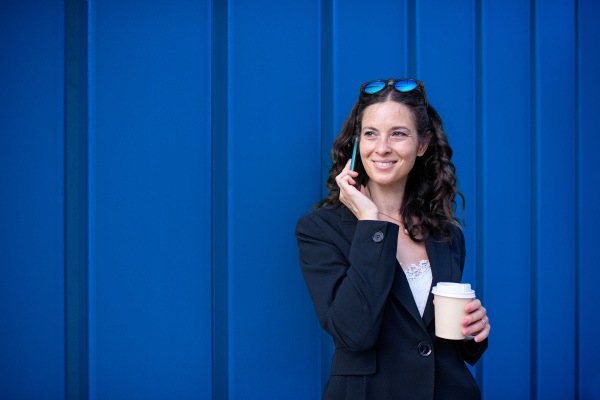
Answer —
(383, 146)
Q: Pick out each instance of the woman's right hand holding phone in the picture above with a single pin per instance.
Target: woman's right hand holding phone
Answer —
(356, 200)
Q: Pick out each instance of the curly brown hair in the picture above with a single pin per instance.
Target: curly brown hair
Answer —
(431, 186)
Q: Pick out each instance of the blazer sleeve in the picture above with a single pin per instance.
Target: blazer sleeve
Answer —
(470, 349)
(348, 291)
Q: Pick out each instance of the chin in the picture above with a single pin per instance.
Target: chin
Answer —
(386, 181)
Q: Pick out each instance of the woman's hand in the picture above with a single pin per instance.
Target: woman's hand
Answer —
(477, 321)
(357, 201)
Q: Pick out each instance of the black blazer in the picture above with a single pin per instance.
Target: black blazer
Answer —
(383, 348)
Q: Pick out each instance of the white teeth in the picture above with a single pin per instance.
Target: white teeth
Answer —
(383, 164)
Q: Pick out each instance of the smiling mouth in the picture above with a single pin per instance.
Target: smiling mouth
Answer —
(384, 164)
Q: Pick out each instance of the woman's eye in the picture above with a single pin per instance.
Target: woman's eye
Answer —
(399, 134)
(369, 134)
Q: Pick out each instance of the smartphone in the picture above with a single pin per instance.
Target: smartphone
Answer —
(354, 153)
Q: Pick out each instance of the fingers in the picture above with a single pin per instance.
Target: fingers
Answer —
(354, 198)
(483, 334)
(347, 167)
(345, 181)
(475, 312)
(477, 326)
(476, 321)
(346, 177)
(474, 316)
(473, 305)
(482, 326)
(344, 174)
(348, 170)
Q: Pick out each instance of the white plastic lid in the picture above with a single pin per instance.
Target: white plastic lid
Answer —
(456, 290)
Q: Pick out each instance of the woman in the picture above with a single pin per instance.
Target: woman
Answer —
(371, 251)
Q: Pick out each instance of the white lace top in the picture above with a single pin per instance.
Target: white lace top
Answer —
(419, 279)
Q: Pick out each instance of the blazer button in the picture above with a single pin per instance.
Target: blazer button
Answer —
(378, 236)
(424, 349)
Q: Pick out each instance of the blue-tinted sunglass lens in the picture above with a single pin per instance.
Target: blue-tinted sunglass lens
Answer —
(405, 85)
(374, 87)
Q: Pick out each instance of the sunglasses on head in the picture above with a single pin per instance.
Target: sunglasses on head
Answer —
(401, 85)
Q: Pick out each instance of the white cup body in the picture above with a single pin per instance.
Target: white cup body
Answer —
(450, 301)
(449, 313)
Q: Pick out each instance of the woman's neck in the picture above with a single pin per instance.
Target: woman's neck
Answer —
(388, 199)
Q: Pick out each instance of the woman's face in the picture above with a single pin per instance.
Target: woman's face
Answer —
(389, 145)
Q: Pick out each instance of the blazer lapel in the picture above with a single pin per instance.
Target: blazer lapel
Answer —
(401, 291)
(439, 260)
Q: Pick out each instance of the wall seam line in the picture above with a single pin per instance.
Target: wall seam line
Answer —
(577, 113)
(219, 198)
(479, 168)
(534, 201)
(76, 202)
(326, 62)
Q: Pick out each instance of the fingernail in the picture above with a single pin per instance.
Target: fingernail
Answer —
(468, 308)
(476, 339)
(465, 321)
(465, 331)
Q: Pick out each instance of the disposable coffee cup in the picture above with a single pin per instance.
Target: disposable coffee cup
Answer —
(450, 301)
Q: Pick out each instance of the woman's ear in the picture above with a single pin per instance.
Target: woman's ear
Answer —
(423, 145)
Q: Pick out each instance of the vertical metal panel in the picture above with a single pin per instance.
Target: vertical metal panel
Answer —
(32, 358)
(151, 267)
(555, 195)
(451, 91)
(362, 51)
(504, 193)
(588, 191)
(273, 162)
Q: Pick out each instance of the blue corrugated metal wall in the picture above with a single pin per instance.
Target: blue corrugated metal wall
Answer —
(208, 133)
(32, 291)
